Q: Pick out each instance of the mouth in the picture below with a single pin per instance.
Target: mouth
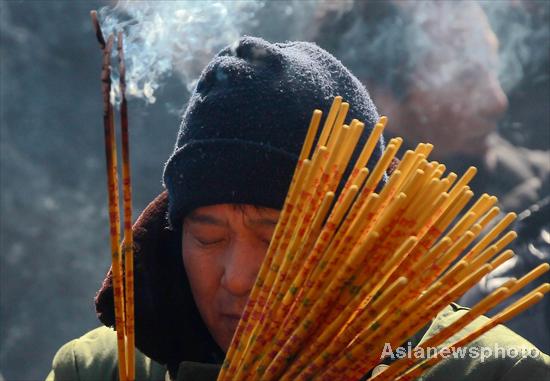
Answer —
(487, 125)
(478, 130)
(477, 140)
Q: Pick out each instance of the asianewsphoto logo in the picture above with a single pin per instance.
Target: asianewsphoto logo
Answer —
(476, 352)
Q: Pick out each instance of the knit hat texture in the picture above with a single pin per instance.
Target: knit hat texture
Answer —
(246, 120)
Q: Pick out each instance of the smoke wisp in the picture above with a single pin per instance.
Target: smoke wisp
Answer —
(165, 37)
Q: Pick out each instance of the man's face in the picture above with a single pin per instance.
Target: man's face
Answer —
(455, 98)
(223, 248)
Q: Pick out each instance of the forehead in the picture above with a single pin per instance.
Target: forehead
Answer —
(452, 37)
(449, 27)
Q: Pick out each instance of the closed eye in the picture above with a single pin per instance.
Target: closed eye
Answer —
(209, 242)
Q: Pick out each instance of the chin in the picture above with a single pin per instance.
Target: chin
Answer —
(224, 338)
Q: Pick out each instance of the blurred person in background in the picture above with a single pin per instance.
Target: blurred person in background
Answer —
(433, 68)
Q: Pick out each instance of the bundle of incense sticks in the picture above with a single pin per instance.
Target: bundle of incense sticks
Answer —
(345, 275)
(123, 278)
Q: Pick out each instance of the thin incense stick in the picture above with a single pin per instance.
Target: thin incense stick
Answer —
(127, 202)
(113, 197)
(516, 308)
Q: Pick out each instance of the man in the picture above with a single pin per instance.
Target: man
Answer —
(433, 68)
(200, 244)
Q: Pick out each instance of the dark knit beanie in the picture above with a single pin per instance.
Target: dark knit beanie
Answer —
(245, 123)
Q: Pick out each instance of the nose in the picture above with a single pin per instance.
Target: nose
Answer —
(495, 103)
(241, 266)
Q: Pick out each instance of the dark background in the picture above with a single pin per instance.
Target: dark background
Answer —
(53, 238)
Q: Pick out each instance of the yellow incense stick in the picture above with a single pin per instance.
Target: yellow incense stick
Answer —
(311, 133)
(329, 122)
(128, 235)
(485, 305)
(508, 313)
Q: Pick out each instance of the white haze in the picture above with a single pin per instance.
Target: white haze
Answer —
(180, 37)
(165, 37)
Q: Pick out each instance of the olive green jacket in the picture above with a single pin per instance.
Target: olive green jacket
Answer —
(93, 357)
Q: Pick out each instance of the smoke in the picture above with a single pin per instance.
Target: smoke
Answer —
(383, 42)
(172, 37)
(179, 37)
(524, 37)
(162, 38)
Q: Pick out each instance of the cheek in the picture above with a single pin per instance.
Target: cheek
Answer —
(204, 274)
(438, 116)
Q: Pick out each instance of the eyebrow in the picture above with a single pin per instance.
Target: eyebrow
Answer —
(263, 221)
(206, 219)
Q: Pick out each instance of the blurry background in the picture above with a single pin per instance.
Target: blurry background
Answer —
(473, 78)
